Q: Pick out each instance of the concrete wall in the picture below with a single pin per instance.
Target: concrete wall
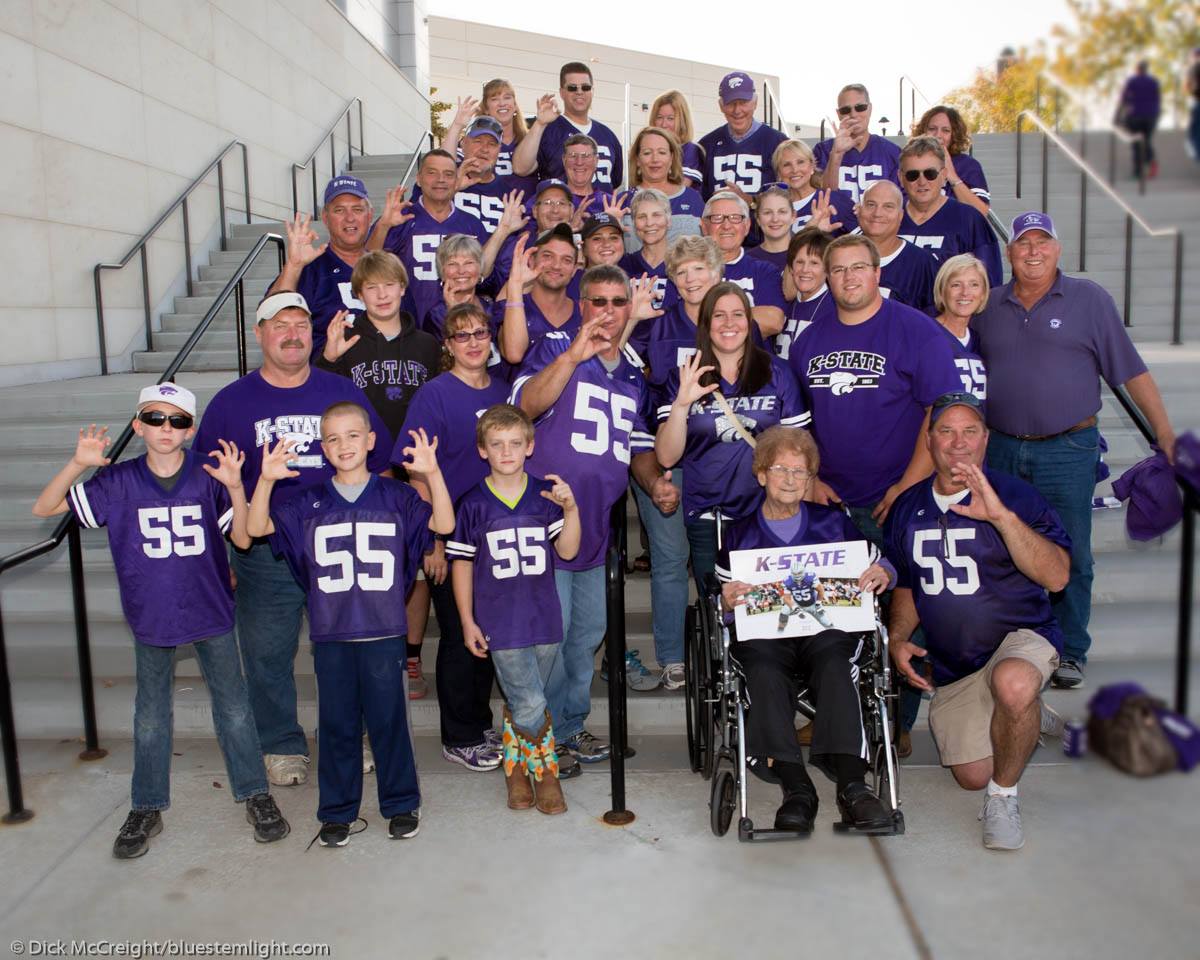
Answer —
(466, 55)
(111, 108)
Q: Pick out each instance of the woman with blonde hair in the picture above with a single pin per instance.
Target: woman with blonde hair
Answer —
(498, 101)
(655, 163)
(670, 112)
(960, 292)
(831, 211)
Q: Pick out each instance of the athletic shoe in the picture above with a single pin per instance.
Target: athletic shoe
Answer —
(637, 677)
(286, 769)
(673, 676)
(134, 838)
(334, 834)
(1068, 675)
(1053, 724)
(264, 816)
(568, 767)
(403, 826)
(478, 758)
(418, 689)
(1001, 818)
(368, 756)
(585, 747)
(493, 739)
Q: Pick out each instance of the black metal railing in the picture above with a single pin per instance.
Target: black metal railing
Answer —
(329, 137)
(614, 650)
(913, 90)
(68, 529)
(1087, 173)
(179, 203)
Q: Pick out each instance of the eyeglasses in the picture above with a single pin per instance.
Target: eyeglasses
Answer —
(576, 87)
(860, 267)
(795, 473)
(602, 302)
(856, 107)
(156, 418)
(716, 219)
(462, 336)
(929, 173)
(554, 203)
(579, 157)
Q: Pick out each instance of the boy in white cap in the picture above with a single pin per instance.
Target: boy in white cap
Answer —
(167, 514)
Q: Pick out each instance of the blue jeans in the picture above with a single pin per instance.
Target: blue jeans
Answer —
(668, 573)
(1064, 472)
(523, 673)
(581, 594)
(270, 609)
(1194, 130)
(702, 537)
(153, 721)
(361, 681)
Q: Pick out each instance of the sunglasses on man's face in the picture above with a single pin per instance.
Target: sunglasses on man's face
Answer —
(576, 87)
(601, 302)
(929, 173)
(856, 107)
(156, 418)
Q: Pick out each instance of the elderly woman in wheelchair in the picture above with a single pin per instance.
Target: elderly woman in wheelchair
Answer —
(850, 723)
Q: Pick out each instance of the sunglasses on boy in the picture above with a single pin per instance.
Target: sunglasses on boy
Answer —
(856, 107)
(156, 418)
(929, 173)
(462, 336)
(576, 87)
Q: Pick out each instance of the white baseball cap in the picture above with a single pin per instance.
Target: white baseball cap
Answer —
(280, 301)
(171, 393)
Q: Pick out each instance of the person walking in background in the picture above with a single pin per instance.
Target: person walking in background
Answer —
(1138, 112)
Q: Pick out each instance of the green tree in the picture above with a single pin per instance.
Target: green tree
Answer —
(993, 101)
(436, 109)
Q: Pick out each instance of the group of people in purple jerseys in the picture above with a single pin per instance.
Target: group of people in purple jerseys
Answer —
(771, 344)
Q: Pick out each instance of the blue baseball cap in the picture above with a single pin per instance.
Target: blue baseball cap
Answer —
(551, 184)
(736, 86)
(956, 399)
(1033, 220)
(486, 127)
(599, 221)
(351, 185)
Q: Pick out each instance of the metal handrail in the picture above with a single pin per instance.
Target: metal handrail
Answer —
(416, 157)
(1086, 173)
(68, 529)
(328, 136)
(772, 115)
(140, 246)
(913, 91)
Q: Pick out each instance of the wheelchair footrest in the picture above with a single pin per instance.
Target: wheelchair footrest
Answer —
(893, 829)
(748, 834)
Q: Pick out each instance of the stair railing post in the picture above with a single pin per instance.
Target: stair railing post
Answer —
(1045, 173)
(221, 199)
(17, 812)
(1183, 657)
(187, 245)
(1177, 311)
(239, 312)
(1128, 266)
(146, 294)
(92, 749)
(618, 731)
(1018, 139)
(246, 180)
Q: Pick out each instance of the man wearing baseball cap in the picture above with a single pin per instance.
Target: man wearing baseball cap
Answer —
(737, 155)
(480, 190)
(320, 272)
(283, 399)
(976, 551)
(1047, 340)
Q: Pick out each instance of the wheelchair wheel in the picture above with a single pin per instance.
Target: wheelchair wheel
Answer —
(691, 687)
(706, 690)
(882, 783)
(723, 800)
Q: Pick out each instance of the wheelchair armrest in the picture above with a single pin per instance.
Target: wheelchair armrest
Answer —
(712, 585)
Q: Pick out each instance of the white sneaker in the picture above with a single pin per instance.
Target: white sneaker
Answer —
(1052, 723)
(286, 769)
(1001, 818)
(368, 756)
(673, 676)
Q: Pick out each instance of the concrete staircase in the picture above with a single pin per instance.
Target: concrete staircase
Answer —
(1136, 585)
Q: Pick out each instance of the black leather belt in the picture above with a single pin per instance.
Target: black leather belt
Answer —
(1081, 425)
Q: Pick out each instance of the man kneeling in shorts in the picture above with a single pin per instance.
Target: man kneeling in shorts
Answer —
(976, 552)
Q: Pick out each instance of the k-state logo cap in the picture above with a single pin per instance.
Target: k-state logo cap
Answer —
(736, 86)
(351, 185)
(280, 301)
(1033, 220)
(171, 393)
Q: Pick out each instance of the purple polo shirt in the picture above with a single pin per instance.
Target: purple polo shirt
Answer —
(1044, 365)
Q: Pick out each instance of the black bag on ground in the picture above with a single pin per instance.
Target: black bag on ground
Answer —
(1123, 727)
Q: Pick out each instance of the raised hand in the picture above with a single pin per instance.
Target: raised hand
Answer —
(985, 505)
(690, 388)
(523, 270)
(275, 461)
(616, 205)
(843, 140)
(89, 451)
(514, 216)
(336, 343)
(642, 299)
(302, 248)
(664, 494)
(951, 173)
(560, 493)
(547, 109)
(579, 215)
(823, 213)
(228, 471)
(395, 209)
(422, 455)
(590, 341)
(467, 106)
(470, 172)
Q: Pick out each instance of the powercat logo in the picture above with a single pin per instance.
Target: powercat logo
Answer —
(845, 371)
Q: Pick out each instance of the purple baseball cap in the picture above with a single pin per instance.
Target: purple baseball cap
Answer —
(486, 127)
(736, 86)
(1033, 220)
(551, 184)
(351, 185)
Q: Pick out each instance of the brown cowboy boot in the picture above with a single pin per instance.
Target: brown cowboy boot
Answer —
(542, 761)
(516, 774)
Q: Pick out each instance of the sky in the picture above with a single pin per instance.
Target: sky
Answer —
(939, 45)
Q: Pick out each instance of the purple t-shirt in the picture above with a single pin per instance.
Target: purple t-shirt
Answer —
(868, 387)
(168, 548)
(588, 435)
(968, 591)
(957, 228)
(778, 259)
(843, 208)
(907, 275)
(635, 265)
(716, 460)
(515, 601)
(536, 322)
(355, 560)
(762, 281)
(416, 243)
(610, 163)
(250, 412)
(503, 169)
(880, 160)
(798, 316)
(747, 162)
(485, 201)
(447, 409)
(971, 368)
(971, 173)
(693, 163)
(1044, 365)
(325, 286)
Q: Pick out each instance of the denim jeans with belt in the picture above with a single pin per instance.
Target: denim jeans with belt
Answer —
(153, 721)
(1063, 469)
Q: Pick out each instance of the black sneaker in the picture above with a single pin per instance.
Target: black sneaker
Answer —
(134, 839)
(404, 826)
(334, 834)
(1068, 675)
(568, 767)
(264, 816)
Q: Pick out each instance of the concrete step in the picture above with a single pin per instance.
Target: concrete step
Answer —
(200, 361)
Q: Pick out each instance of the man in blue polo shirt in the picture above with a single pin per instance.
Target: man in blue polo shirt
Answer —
(1046, 340)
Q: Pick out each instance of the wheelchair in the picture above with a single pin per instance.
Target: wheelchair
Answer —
(717, 700)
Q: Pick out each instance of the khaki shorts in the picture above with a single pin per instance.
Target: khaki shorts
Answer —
(960, 715)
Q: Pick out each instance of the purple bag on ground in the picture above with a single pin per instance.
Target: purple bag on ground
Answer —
(1155, 504)
(1184, 736)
